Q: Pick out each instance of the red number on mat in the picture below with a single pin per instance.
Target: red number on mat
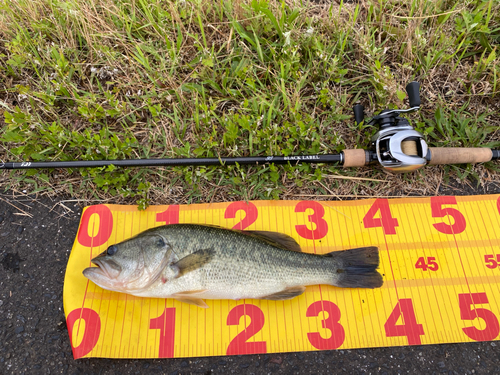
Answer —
(386, 221)
(250, 211)
(316, 217)
(468, 312)
(170, 215)
(410, 328)
(439, 211)
(166, 324)
(90, 334)
(491, 262)
(430, 265)
(99, 235)
(239, 344)
(331, 322)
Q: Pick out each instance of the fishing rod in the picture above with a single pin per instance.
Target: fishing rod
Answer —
(397, 147)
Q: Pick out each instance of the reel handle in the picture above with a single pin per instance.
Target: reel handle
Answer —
(359, 113)
(413, 95)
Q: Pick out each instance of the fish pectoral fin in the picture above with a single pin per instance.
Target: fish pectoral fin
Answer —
(287, 293)
(281, 240)
(194, 261)
(192, 301)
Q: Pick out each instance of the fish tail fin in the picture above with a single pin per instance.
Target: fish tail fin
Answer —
(357, 268)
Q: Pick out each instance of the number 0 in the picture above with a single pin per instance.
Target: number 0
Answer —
(90, 334)
(99, 235)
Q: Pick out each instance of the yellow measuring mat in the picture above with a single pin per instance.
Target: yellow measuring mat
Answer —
(439, 257)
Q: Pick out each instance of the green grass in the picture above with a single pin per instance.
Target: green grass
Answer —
(110, 79)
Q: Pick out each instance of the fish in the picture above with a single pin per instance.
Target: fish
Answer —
(193, 262)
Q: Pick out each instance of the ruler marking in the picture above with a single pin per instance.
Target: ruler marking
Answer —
(413, 209)
(475, 262)
(133, 302)
(443, 286)
(462, 264)
(496, 214)
(352, 229)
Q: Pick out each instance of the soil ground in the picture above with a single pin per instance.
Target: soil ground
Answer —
(36, 237)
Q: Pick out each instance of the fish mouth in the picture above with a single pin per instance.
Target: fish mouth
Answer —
(104, 268)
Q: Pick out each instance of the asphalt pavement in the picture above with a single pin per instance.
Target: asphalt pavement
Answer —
(36, 237)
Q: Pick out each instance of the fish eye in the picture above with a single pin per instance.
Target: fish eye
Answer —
(111, 250)
(160, 242)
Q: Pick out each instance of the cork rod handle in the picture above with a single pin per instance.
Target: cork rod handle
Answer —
(441, 155)
(355, 158)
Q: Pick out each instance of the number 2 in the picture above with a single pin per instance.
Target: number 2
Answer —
(240, 344)
(251, 213)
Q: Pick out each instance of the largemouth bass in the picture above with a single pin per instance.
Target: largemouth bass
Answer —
(192, 262)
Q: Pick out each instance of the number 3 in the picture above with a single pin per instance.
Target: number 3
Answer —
(331, 322)
(316, 218)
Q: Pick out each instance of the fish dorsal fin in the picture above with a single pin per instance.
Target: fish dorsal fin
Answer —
(287, 293)
(281, 240)
(194, 261)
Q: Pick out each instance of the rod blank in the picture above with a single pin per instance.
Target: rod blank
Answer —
(255, 160)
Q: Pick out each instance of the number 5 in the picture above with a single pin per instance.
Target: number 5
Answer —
(492, 329)
(439, 211)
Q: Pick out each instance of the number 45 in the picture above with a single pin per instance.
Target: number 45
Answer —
(430, 265)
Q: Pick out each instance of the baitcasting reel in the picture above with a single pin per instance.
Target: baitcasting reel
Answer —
(397, 146)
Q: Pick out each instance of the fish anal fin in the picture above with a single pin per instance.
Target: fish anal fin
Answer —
(192, 301)
(287, 293)
(281, 240)
(194, 261)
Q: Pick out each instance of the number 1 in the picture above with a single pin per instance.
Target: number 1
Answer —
(166, 324)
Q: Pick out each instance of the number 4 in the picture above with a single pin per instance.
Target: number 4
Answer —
(386, 221)
(410, 328)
